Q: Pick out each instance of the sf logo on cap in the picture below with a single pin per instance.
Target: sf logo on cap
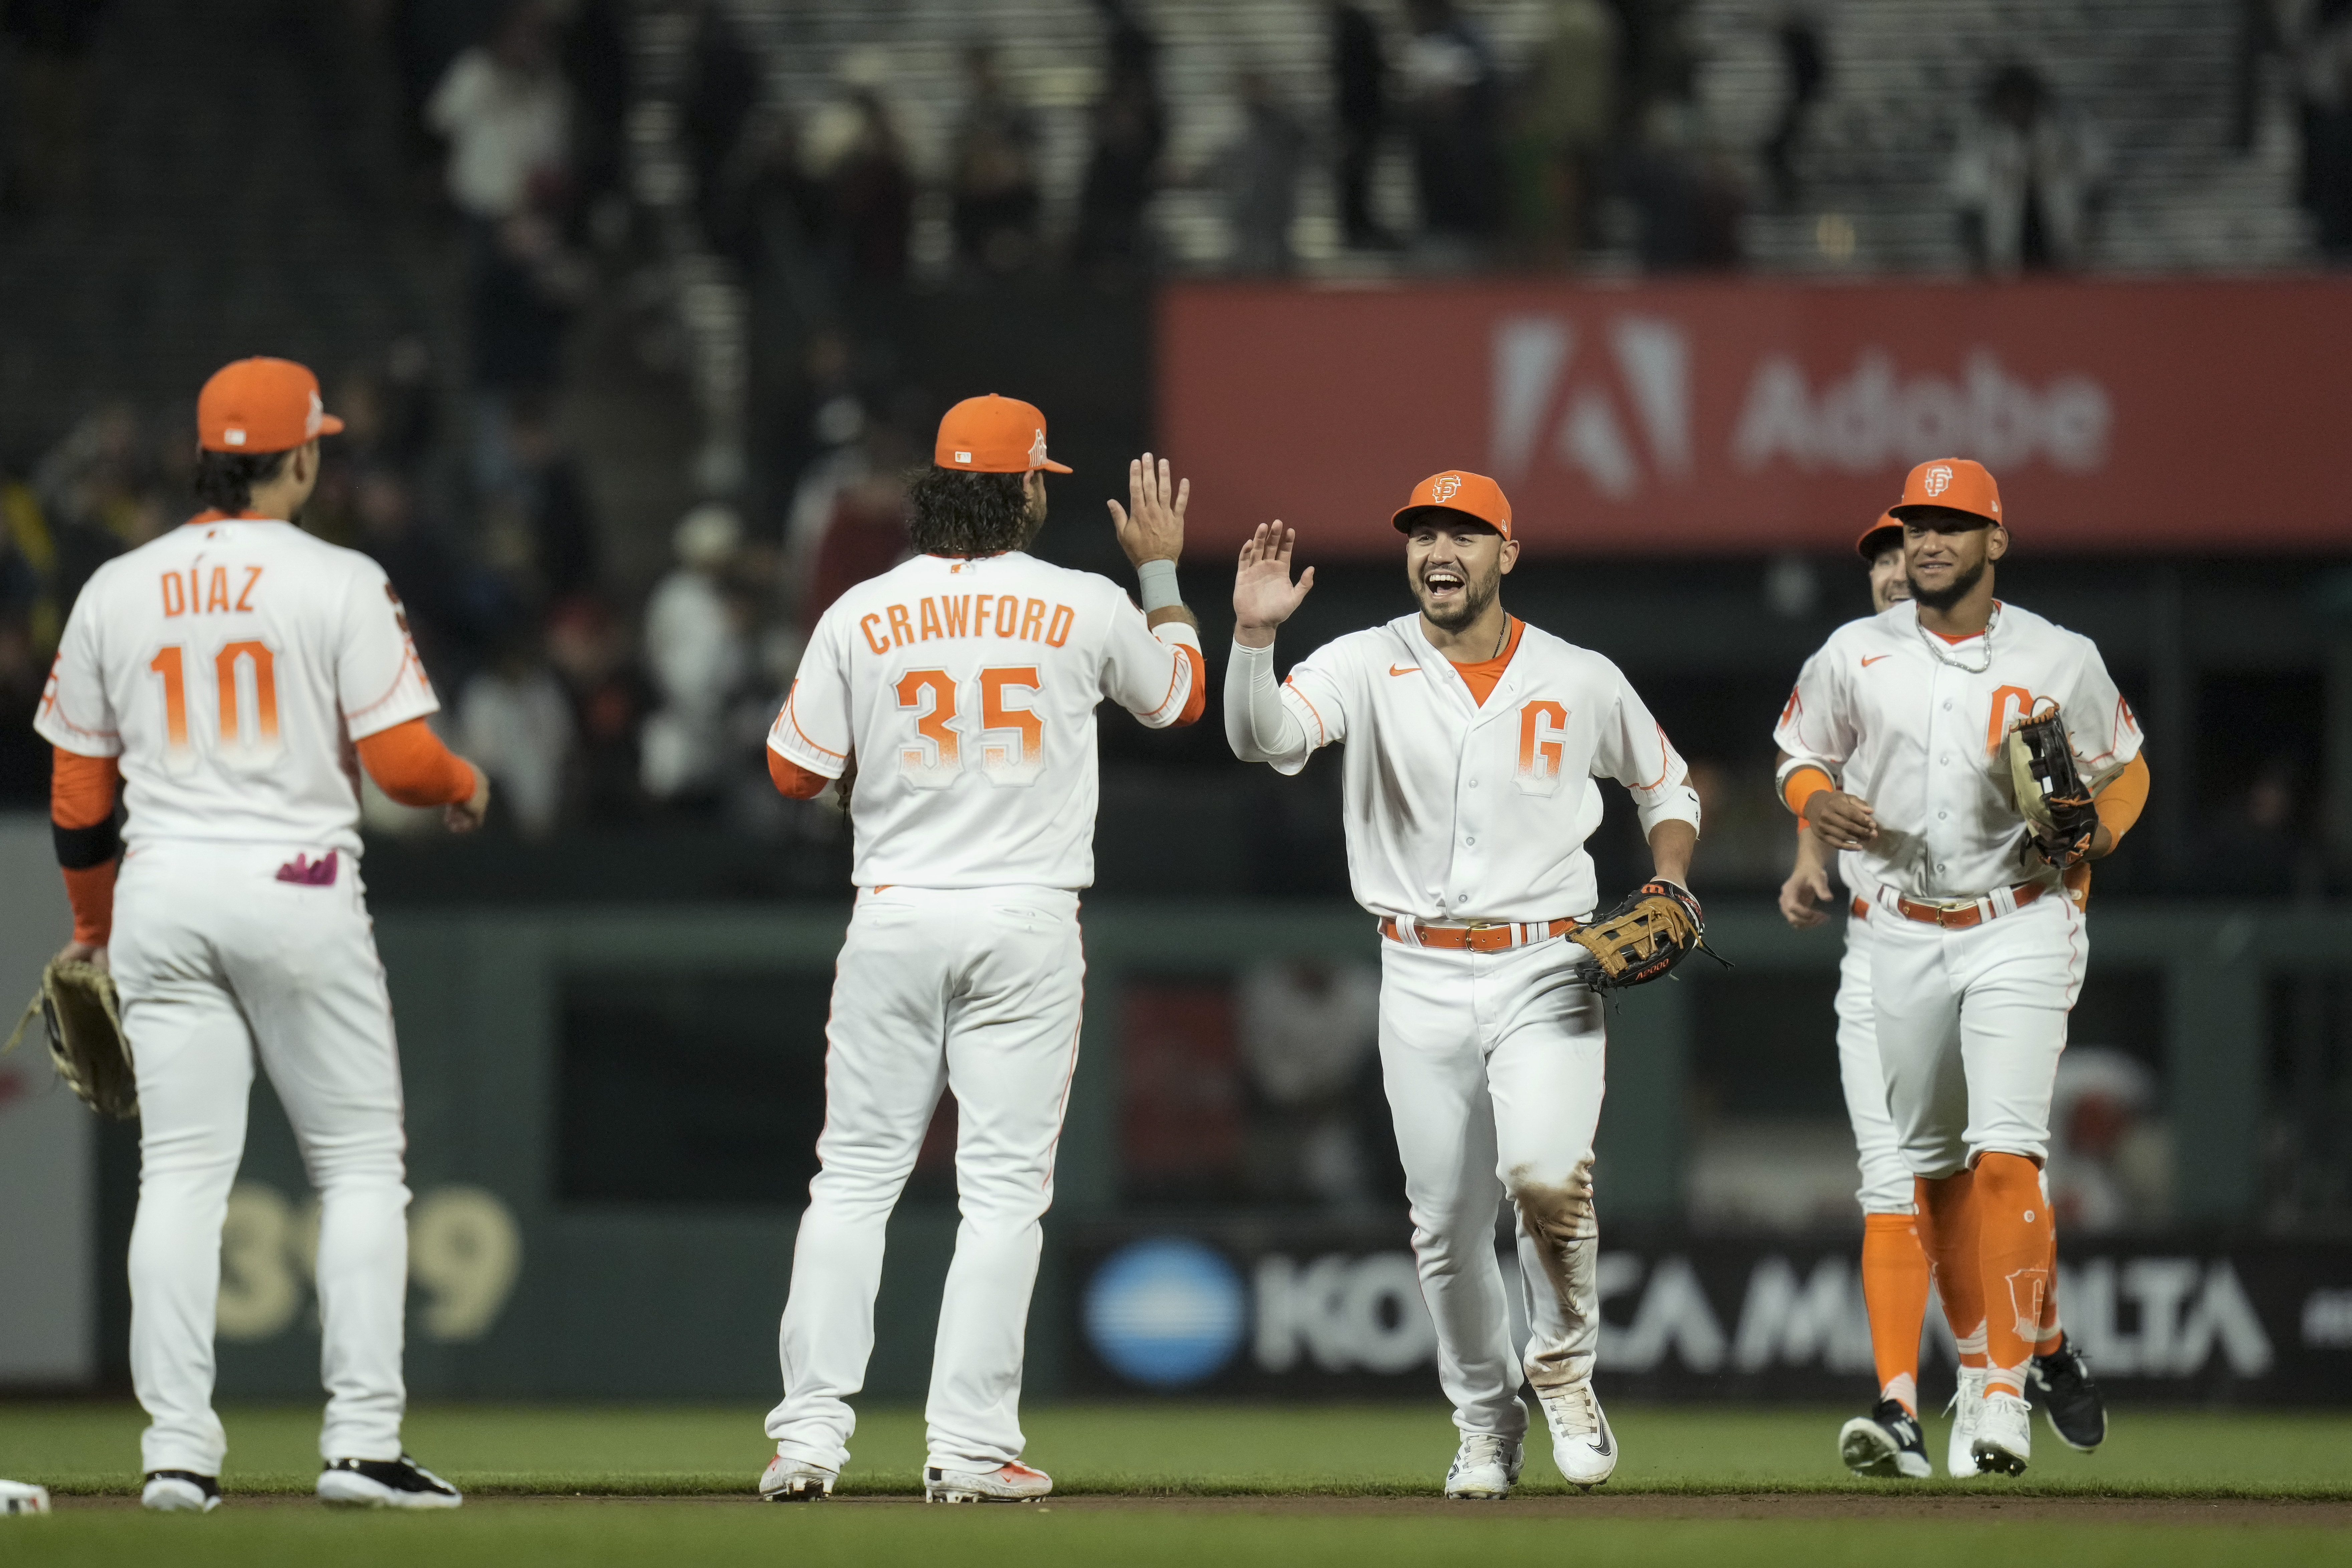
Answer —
(1939, 479)
(1446, 487)
(1037, 451)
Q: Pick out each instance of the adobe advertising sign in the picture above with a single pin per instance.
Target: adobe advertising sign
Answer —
(1761, 417)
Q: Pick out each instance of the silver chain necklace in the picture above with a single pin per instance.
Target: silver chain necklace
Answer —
(1943, 651)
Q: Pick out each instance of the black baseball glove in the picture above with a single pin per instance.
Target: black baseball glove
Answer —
(2050, 793)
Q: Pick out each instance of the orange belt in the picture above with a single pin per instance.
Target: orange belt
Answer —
(1482, 937)
(1992, 907)
(1862, 909)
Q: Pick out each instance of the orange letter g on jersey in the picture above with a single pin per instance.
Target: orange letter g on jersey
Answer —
(1542, 724)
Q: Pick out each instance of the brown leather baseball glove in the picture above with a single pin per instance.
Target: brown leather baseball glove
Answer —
(84, 1016)
(1656, 927)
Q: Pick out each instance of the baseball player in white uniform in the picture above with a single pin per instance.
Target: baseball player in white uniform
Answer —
(1894, 739)
(1889, 1442)
(958, 691)
(233, 675)
(1473, 744)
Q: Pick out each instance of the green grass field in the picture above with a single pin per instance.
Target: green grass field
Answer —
(1304, 1485)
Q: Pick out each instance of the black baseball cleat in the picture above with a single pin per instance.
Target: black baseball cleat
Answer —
(1886, 1442)
(385, 1483)
(2077, 1411)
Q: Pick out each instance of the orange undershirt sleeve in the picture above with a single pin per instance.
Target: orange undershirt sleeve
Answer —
(1195, 704)
(2124, 796)
(81, 797)
(409, 764)
(792, 779)
(1801, 787)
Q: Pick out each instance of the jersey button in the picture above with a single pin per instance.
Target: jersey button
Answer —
(1945, 758)
(1474, 784)
(1942, 816)
(1469, 841)
(1461, 898)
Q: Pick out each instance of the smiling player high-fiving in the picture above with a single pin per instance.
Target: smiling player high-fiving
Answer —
(1473, 744)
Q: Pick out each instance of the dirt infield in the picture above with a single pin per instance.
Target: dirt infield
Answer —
(2288, 1512)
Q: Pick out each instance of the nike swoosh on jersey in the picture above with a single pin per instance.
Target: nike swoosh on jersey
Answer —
(1873, 658)
(1404, 669)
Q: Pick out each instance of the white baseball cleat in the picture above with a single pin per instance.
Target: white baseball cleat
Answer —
(180, 1491)
(1582, 1446)
(1485, 1468)
(1966, 1409)
(385, 1483)
(23, 1496)
(1012, 1481)
(2004, 1438)
(796, 1481)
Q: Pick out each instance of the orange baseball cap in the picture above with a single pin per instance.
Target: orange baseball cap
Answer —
(1874, 542)
(1456, 490)
(261, 405)
(1952, 484)
(994, 435)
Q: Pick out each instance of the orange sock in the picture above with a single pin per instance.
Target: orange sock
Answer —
(1895, 1290)
(2050, 1330)
(1948, 1233)
(2015, 1239)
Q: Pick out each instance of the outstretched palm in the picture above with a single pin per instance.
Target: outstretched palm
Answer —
(1264, 594)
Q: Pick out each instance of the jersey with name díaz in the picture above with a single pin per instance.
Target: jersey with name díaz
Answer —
(230, 664)
(966, 689)
(1915, 726)
(1457, 810)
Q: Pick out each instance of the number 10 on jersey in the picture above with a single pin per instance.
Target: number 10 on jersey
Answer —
(1009, 741)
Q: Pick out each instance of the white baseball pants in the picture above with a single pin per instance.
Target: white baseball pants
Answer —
(976, 990)
(221, 964)
(1494, 1065)
(1886, 1179)
(1970, 1024)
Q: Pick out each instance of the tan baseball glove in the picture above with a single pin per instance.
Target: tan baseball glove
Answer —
(79, 1004)
(1656, 927)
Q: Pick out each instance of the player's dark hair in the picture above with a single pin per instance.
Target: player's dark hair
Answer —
(225, 481)
(954, 513)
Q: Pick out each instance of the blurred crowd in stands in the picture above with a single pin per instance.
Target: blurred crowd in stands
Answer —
(599, 692)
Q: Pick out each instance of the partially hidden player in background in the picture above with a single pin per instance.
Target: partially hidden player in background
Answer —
(1471, 745)
(1894, 738)
(1894, 1274)
(957, 692)
(233, 676)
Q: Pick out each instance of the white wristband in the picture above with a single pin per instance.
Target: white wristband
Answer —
(1156, 582)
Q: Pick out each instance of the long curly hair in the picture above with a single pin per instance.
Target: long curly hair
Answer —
(951, 512)
(225, 481)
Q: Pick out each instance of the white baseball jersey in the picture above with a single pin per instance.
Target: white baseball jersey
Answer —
(1914, 725)
(1457, 810)
(230, 664)
(966, 690)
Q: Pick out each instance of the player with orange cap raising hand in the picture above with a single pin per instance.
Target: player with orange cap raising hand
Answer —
(1895, 739)
(232, 677)
(1472, 741)
(958, 691)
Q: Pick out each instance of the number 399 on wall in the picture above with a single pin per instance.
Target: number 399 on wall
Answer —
(465, 1252)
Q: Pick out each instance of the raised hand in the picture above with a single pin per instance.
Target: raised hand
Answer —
(1264, 594)
(1153, 529)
